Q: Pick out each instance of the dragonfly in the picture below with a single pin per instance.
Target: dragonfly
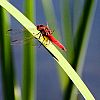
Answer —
(45, 31)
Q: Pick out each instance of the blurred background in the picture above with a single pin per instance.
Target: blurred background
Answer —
(76, 24)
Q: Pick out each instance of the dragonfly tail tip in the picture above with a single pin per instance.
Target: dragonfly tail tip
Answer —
(65, 49)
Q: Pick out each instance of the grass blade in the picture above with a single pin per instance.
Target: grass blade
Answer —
(28, 85)
(83, 30)
(68, 38)
(82, 37)
(77, 11)
(6, 58)
(67, 28)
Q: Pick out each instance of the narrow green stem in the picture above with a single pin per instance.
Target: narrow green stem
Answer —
(7, 69)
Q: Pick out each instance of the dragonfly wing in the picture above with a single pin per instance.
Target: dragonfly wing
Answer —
(17, 36)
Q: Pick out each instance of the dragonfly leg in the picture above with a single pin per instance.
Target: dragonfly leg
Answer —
(48, 43)
(40, 36)
(42, 41)
(37, 33)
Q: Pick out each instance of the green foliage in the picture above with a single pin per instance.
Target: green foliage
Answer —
(7, 68)
(28, 84)
(75, 54)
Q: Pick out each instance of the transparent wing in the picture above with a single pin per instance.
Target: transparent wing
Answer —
(17, 36)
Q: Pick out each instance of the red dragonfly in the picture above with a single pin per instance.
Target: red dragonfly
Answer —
(47, 32)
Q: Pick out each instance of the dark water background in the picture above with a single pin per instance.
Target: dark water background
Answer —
(47, 80)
